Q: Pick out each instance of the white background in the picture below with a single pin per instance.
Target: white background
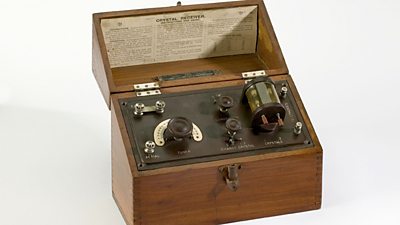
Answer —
(55, 126)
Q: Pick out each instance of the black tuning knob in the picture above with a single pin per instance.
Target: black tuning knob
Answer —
(233, 126)
(224, 103)
(179, 128)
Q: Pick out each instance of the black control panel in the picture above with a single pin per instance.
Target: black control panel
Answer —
(199, 126)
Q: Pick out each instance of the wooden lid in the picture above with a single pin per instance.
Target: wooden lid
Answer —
(183, 45)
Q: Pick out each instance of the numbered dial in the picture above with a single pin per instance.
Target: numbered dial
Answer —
(177, 128)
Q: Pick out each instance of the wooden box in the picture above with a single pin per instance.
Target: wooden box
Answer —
(271, 183)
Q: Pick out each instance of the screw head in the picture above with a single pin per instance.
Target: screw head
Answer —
(139, 106)
(160, 104)
(150, 144)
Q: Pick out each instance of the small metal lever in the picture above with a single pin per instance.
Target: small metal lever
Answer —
(231, 176)
(140, 108)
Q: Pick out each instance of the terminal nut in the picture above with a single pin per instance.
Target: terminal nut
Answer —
(297, 128)
(160, 106)
(139, 107)
(149, 147)
(284, 91)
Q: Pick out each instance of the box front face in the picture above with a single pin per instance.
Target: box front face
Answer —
(272, 187)
(201, 196)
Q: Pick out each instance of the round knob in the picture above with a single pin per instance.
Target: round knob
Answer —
(179, 128)
(233, 125)
(225, 103)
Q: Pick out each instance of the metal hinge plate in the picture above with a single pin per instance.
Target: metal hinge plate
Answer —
(147, 89)
(253, 74)
(146, 86)
(148, 93)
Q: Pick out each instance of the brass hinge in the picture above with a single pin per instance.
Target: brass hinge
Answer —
(248, 76)
(147, 89)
